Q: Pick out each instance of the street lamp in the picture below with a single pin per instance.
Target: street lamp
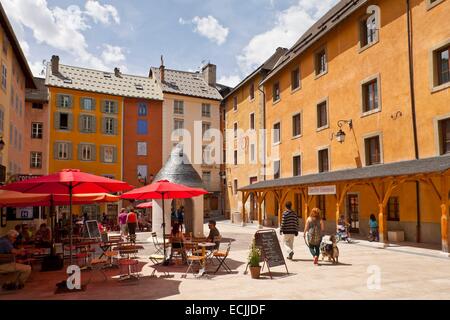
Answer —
(340, 135)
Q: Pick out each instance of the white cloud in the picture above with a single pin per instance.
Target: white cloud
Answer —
(289, 25)
(102, 13)
(61, 29)
(208, 27)
(112, 54)
(230, 81)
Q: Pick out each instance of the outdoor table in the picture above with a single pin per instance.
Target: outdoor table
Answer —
(128, 249)
(106, 246)
(204, 245)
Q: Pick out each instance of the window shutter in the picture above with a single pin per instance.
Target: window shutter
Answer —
(82, 103)
(116, 107)
(115, 154)
(80, 151)
(70, 101)
(69, 151)
(102, 154)
(93, 104)
(70, 121)
(116, 126)
(59, 100)
(93, 152)
(56, 120)
(81, 123)
(103, 125)
(103, 106)
(94, 124)
(55, 150)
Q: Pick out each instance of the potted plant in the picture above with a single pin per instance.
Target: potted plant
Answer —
(254, 258)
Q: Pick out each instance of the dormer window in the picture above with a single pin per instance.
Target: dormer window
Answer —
(68, 81)
(107, 75)
(139, 87)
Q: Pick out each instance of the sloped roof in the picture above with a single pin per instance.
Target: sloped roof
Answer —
(29, 81)
(37, 95)
(401, 168)
(325, 24)
(103, 82)
(268, 65)
(185, 83)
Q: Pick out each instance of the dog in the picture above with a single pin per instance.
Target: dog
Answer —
(329, 248)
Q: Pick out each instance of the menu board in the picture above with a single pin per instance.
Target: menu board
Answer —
(267, 241)
(92, 229)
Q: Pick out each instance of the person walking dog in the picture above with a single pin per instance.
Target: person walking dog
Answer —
(313, 230)
(289, 229)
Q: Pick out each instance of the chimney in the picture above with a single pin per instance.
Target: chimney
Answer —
(209, 74)
(117, 73)
(55, 64)
(161, 69)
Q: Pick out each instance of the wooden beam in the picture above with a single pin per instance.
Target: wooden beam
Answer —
(444, 215)
(244, 200)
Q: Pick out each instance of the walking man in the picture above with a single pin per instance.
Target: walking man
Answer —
(289, 228)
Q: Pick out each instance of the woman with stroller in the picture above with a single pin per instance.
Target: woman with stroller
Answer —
(373, 226)
(313, 230)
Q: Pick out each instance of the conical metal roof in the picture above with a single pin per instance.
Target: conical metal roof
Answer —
(178, 169)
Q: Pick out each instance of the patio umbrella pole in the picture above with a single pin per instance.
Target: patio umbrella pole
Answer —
(164, 230)
(70, 222)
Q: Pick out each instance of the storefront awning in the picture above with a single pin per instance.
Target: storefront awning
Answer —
(437, 165)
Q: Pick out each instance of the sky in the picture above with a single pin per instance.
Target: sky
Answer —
(236, 35)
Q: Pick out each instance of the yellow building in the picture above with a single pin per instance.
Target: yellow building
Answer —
(244, 112)
(367, 131)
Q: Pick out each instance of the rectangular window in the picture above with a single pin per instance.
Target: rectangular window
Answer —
(276, 91)
(235, 129)
(206, 110)
(108, 154)
(6, 44)
(142, 109)
(109, 106)
(323, 160)
(370, 96)
(36, 105)
(251, 92)
(86, 152)
(443, 65)
(35, 160)
(321, 62)
(206, 126)
(4, 76)
(63, 121)
(142, 148)
(207, 150)
(252, 153)
(2, 121)
(142, 170)
(276, 169)
(252, 121)
(322, 115)
(36, 130)
(296, 125)
(235, 103)
(178, 124)
(206, 177)
(393, 209)
(178, 107)
(295, 79)
(65, 101)
(109, 125)
(298, 204)
(142, 126)
(88, 104)
(322, 205)
(296, 166)
(235, 187)
(63, 151)
(277, 133)
(235, 157)
(444, 136)
(373, 150)
(87, 123)
(368, 31)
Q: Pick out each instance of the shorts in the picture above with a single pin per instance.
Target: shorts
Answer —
(123, 228)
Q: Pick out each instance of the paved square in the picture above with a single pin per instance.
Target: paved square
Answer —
(405, 273)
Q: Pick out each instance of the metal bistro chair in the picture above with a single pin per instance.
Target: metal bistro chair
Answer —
(159, 246)
(192, 259)
(221, 256)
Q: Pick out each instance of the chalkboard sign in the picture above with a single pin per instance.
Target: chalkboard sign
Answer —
(92, 229)
(267, 241)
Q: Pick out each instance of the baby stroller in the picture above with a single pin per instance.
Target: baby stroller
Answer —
(342, 234)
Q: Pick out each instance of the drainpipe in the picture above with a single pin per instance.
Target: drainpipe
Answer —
(264, 138)
(413, 108)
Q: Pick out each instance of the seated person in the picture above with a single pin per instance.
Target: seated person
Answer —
(43, 236)
(214, 234)
(26, 234)
(176, 236)
(19, 240)
(7, 247)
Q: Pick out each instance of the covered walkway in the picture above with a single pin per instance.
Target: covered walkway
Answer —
(381, 180)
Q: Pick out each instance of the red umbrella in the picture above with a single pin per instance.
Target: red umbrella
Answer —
(144, 205)
(68, 181)
(164, 189)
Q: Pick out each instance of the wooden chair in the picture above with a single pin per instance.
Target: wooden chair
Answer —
(193, 259)
(177, 249)
(221, 256)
